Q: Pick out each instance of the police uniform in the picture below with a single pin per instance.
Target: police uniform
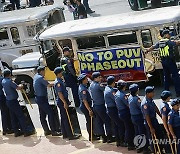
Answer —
(148, 107)
(174, 121)
(5, 115)
(17, 116)
(97, 93)
(124, 114)
(112, 111)
(40, 89)
(164, 106)
(70, 76)
(85, 95)
(135, 111)
(59, 86)
(167, 55)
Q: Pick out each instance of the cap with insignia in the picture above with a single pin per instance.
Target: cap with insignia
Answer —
(58, 70)
(95, 75)
(149, 89)
(40, 68)
(121, 83)
(165, 94)
(6, 72)
(175, 102)
(81, 76)
(166, 31)
(110, 80)
(133, 87)
(66, 49)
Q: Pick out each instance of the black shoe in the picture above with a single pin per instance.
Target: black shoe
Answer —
(177, 95)
(65, 137)
(131, 148)
(90, 11)
(56, 134)
(19, 133)
(110, 139)
(74, 137)
(46, 133)
(28, 134)
(104, 138)
(139, 150)
(8, 132)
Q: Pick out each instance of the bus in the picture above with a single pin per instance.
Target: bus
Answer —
(113, 45)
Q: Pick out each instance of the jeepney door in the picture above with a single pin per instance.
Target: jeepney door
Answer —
(4, 38)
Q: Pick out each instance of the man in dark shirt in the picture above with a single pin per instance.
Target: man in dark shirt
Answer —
(81, 10)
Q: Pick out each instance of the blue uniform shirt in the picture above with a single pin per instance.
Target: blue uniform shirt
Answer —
(148, 107)
(60, 86)
(164, 108)
(174, 118)
(109, 94)
(1, 87)
(40, 85)
(134, 105)
(121, 101)
(10, 89)
(84, 95)
(97, 93)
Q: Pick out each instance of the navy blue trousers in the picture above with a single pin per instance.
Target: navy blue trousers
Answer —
(119, 129)
(101, 120)
(15, 3)
(5, 114)
(65, 126)
(86, 4)
(17, 116)
(44, 111)
(169, 67)
(129, 129)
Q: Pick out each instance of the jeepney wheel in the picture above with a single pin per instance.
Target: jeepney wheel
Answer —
(28, 84)
(155, 3)
(133, 4)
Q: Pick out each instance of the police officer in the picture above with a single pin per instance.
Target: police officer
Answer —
(174, 121)
(16, 113)
(70, 74)
(112, 111)
(136, 115)
(97, 93)
(40, 87)
(121, 100)
(166, 47)
(63, 103)
(149, 110)
(5, 115)
(86, 103)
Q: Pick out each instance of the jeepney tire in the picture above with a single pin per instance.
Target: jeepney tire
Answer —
(155, 3)
(133, 5)
(29, 81)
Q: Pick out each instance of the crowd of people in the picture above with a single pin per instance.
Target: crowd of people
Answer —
(116, 115)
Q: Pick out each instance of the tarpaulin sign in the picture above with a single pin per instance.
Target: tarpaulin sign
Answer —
(124, 63)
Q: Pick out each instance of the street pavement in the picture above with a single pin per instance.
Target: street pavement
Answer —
(39, 144)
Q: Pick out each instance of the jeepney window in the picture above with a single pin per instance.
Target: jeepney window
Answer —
(47, 45)
(122, 38)
(31, 30)
(3, 34)
(91, 42)
(146, 38)
(39, 27)
(15, 35)
(65, 43)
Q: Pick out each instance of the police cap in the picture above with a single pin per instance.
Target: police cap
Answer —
(66, 49)
(58, 70)
(95, 75)
(110, 80)
(40, 68)
(165, 94)
(81, 76)
(133, 87)
(121, 83)
(175, 102)
(166, 31)
(6, 72)
(149, 89)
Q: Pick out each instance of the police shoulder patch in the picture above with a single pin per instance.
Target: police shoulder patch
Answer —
(84, 92)
(145, 107)
(58, 85)
(164, 109)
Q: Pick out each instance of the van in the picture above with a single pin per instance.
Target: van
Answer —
(113, 45)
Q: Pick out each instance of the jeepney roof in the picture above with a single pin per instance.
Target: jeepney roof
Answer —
(131, 20)
(25, 15)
